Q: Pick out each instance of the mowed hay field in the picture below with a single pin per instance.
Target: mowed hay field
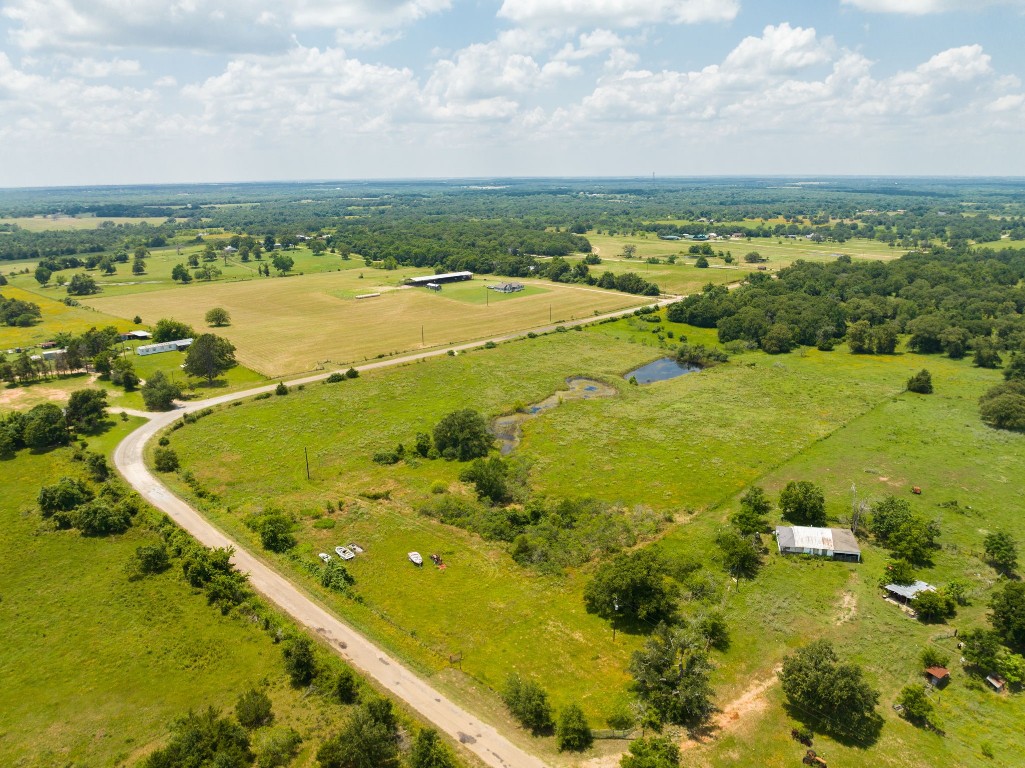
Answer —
(284, 326)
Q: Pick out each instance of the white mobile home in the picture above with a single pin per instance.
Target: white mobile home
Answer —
(164, 346)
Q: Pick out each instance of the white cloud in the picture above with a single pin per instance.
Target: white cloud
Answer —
(780, 49)
(572, 14)
(487, 79)
(203, 25)
(92, 68)
(323, 92)
(923, 7)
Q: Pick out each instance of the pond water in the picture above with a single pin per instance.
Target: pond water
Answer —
(508, 429)
(660, 370)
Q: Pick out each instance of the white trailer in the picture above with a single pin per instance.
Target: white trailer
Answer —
(164, 346)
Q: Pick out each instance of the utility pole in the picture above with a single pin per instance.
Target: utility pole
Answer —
(307, 454)
(421, 336)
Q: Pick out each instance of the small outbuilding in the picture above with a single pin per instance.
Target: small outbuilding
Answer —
(937, 676)
(137, 335)
(507, 287)
(905, 593)
(837, 543)
(433, 286)
(997, 682)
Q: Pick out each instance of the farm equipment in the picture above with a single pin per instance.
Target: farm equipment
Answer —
(810, 758)
(917, 490)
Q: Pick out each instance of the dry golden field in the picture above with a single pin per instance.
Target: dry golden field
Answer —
(291, 325)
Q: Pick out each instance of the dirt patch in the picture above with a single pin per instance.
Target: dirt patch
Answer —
(749, 703)
(10, 397)
(848, 608)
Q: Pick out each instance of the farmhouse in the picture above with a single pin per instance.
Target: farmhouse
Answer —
(905, 593)
(837, 543)
(448, 277)
(137, 335)
(507, 287)
(165, 346)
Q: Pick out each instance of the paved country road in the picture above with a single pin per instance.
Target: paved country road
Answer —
(482, 739)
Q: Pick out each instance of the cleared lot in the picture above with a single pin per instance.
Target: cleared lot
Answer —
(290, 325)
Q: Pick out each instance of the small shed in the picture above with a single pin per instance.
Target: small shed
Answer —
(905, 593)
(837, 543)
(937, 676)
(997, 682)
(433, 286)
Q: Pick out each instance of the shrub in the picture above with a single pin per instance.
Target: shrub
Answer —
(335, 377)
(463, 435)
(352, 373)
(279, 748)
(281, 388)
(916, 704)
(275, 531)
(300, 663)
(253, 709)
(346, 688)
(150, 559)
(63, 496)
(165, 460)
(98, 518)
(921, 383)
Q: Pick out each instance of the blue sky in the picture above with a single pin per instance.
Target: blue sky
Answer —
(142, 91)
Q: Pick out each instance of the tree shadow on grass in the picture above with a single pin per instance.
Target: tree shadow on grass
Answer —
(859, 733)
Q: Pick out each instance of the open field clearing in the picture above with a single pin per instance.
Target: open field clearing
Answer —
(304, 323)
(56, 317)
(46, 223)
(690, 443)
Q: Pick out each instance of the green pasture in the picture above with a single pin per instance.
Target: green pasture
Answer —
(96, 666)
(56, 317)
(47, 223)
(689, 446)
(474, 292)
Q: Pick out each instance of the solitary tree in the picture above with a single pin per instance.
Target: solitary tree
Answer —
(463, 435)
(572, 732)
(299, 660)
(802, 503)
(43, 275)
(1002, 551)
(528, 703)
(833, 694)
(754, 507)
(916, 707)
(218, 316)
(209, 356)
(428, 750)
(87, 408)
(633, 585)
(671, 677)
(366, 741)
(159, 392)
(283, 263)
(1008, 613)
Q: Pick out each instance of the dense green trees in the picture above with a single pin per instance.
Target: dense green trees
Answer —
(209, 356)
(204, 739)
(833, 695)
(168, 329)
(159, 392)
(463, 435)
(803, 503)
(86, 409)
(671, 677)
(632, 585)
(1008, 614)
(16, 312)
(368, 740)
(82, 284)
(1003, 406)
(909, 536)
(489, 478)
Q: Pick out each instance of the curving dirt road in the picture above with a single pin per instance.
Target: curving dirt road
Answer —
(482, 739)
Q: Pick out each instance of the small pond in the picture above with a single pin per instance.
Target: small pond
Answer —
(660, 370)
(508, 429)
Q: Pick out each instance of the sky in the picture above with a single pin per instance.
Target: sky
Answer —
(160, 91)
